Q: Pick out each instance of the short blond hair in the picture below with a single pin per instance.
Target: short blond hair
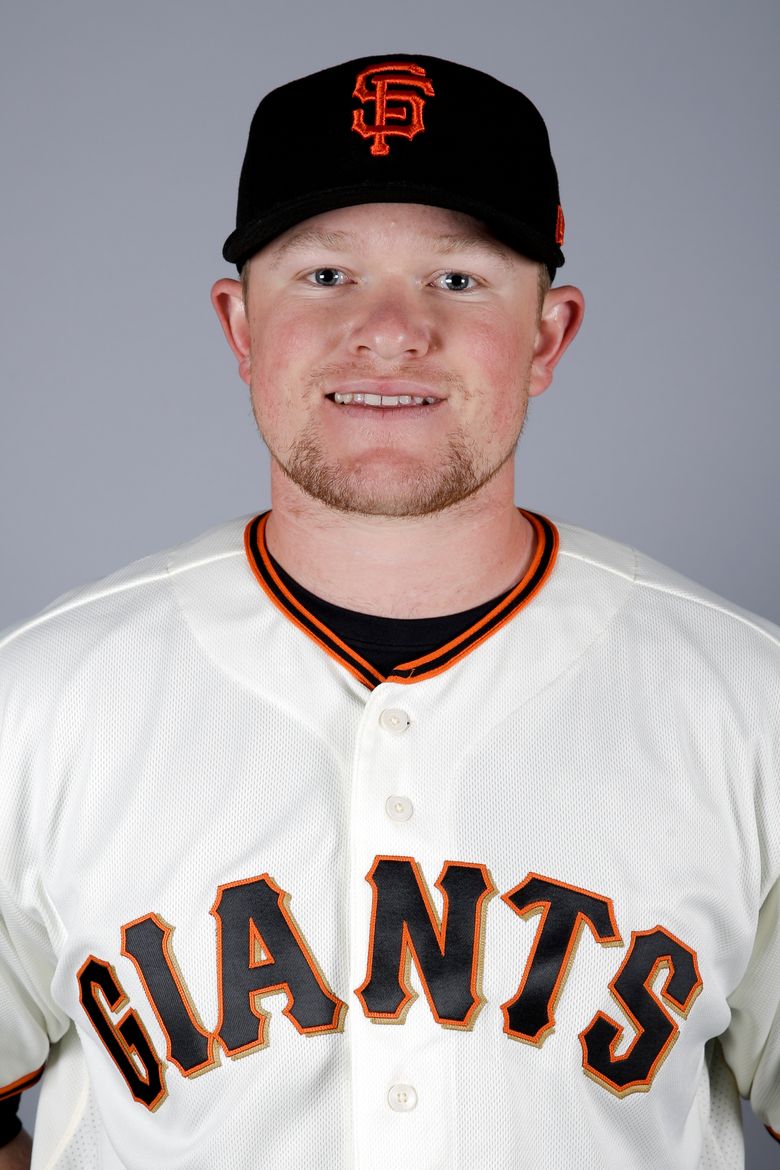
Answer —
(543, 283)
(244, 277)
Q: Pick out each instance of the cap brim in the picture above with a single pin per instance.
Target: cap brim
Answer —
(243, 243)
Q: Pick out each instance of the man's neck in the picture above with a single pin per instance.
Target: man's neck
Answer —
(407, 567)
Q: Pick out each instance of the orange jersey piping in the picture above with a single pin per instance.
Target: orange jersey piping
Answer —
(23, 1083)
(437, 660)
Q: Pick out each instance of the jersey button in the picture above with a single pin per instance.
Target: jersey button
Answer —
(402, 1098)
(399, 808)
(394, 719)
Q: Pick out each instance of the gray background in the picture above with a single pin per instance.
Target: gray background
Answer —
(124, 427)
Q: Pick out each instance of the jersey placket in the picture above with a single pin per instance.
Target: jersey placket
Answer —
(400, 1079)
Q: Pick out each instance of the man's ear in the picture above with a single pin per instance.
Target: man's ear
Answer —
(228, 301)
(559, 321)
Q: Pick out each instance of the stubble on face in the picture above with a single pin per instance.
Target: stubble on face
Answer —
(453, 474)
(383, 479)
(427, 490)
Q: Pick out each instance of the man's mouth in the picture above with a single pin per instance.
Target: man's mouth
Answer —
(384, 400)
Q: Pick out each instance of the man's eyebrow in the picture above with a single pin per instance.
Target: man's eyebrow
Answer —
(469, 243)
(444, 245)
(311, 237)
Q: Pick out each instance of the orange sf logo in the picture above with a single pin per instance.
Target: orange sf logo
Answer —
(406, 106)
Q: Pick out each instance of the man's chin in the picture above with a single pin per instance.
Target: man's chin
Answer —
(406, 498)
(395, 506)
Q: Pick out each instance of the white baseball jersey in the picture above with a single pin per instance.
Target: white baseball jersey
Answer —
(517, 904)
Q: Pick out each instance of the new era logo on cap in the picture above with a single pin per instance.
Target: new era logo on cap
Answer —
(403, 113)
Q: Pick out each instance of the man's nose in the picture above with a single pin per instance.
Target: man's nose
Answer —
(391, 324)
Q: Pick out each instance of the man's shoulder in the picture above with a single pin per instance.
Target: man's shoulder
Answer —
(127, 597)
(659, 592)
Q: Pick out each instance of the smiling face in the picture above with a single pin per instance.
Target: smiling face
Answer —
(391, 350)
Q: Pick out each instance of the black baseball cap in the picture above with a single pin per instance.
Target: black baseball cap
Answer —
(399, 128)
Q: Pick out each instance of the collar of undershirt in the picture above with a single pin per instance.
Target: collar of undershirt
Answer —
(336, 630)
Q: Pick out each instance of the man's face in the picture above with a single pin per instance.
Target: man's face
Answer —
(391, 303)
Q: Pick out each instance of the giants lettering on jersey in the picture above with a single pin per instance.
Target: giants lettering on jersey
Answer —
(261, 950)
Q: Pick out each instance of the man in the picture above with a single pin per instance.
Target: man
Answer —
(398, 826)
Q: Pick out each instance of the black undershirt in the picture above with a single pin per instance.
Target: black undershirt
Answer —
(9, 1122)
(386, 642)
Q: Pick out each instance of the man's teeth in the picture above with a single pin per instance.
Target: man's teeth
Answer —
(382, 400)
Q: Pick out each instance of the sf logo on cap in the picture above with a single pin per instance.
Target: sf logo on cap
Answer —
(399, 111)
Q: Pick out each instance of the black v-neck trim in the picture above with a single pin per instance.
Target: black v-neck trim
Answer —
(385, 641)
(429, 664)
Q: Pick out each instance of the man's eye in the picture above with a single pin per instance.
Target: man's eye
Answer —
(327, 277)
(457, 281)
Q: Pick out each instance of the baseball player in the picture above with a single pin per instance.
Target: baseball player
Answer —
(397, 826)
